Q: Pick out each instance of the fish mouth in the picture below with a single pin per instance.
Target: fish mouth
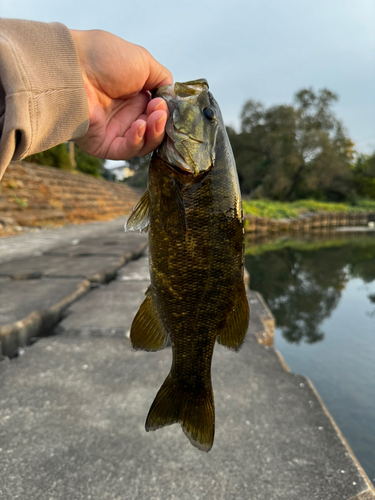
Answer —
(188, 145)
(181, 90)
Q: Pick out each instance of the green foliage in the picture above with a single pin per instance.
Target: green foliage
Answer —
(365, 205)
(365, 165)
(288, 152)
(281, 210)
(270, 210)
(319, 206)
(58, 157)
(88, 164)
(364, 175)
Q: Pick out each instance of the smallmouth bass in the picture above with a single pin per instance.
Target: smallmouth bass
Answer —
(192, 211)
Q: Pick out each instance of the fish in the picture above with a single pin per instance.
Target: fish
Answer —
(192, 212)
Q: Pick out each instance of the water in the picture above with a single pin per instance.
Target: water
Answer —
(322, 293)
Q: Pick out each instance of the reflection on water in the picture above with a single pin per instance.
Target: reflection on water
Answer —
(302, 281)
(322, 293)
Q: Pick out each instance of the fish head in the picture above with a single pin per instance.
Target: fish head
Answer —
(191, 130)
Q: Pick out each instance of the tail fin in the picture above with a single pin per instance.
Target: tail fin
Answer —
(195, 413)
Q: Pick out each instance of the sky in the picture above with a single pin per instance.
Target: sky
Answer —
(264, 50)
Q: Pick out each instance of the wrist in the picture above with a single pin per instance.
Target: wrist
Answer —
(80, 42)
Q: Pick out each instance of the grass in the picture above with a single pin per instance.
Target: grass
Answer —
(281, 210)
(21, 202)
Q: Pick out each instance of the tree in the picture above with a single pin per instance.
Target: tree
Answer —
(294, 151)
(364, 175)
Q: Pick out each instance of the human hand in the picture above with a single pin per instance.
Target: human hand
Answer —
(118, 77)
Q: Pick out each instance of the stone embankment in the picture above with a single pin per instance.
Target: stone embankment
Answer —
(309, 222)
(36, 196)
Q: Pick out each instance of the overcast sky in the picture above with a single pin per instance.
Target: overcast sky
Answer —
(247, 49)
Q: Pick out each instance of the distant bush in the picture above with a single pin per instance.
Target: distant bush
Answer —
(88, 164)
(57, 157)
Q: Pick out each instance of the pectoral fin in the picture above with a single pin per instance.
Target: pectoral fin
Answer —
(172, 203)
(147, 333)
(234, 332)
(140, 216)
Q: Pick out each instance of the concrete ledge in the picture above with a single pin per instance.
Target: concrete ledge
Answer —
(261, 319)
(365, 495)
(48, 299)
(265, 336)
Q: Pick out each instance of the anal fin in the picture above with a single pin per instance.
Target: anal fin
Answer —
(234, 332)
(147, 333)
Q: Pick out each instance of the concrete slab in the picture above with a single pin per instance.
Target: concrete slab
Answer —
(72, 427)
(125, 250)
(137, 270)
(15, 247)
(106, 312)
(29, 308)
(97, 269)
(117, 238)
(113, 243)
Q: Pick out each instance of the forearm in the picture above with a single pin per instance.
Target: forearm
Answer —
(42, 97)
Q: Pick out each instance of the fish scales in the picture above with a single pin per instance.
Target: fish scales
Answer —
(197, 293)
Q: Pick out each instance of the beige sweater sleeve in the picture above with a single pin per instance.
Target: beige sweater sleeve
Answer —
(42, 97)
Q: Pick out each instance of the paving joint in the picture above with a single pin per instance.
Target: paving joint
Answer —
(21, 332)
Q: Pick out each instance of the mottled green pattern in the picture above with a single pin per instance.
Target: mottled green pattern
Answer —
(196, 273)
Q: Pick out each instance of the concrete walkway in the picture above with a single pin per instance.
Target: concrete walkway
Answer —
(73, 404)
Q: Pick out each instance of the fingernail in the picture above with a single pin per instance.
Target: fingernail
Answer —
(160, 105)
(141, 131)
(160, 125)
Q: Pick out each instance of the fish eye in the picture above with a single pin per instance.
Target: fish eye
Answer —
(209, 113)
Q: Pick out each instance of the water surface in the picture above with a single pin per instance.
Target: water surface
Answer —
(322, 294)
